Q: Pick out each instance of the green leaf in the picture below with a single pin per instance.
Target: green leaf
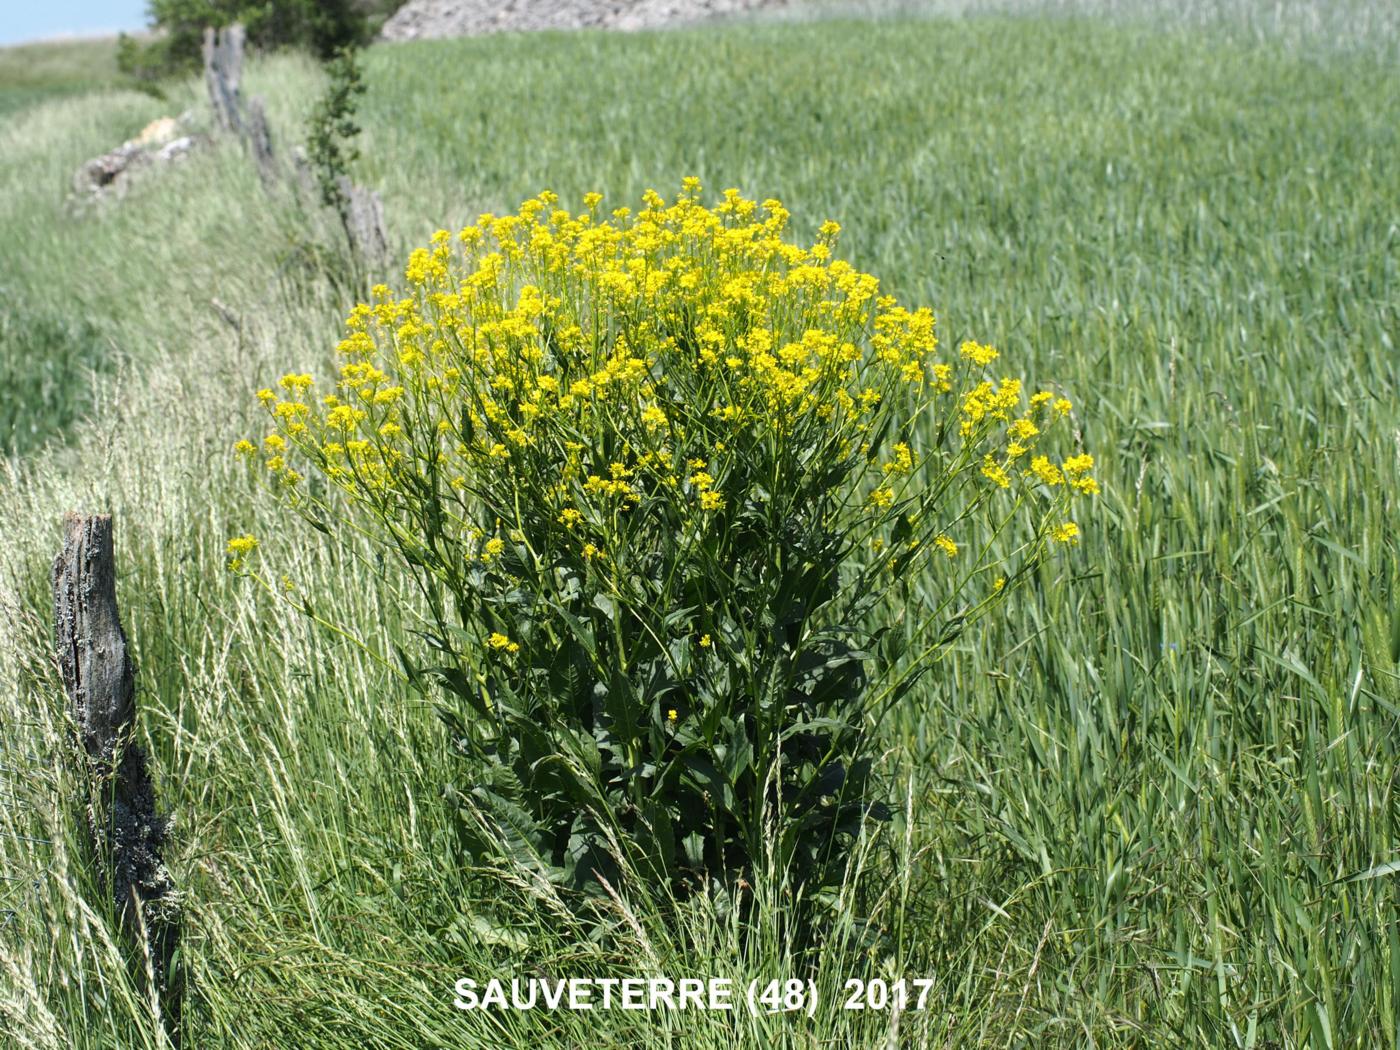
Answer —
(1395, 626)
(1390, 867)
(455, 681)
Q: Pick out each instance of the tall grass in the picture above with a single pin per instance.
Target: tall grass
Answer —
(33, 73)
(1312, 26)
(1151, 808)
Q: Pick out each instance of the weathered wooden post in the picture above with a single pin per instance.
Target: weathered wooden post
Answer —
(223, 77)
(223, 74)
(259, 137)
(362, 216)
(128, 834)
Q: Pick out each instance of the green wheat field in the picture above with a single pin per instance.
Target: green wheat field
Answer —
(1150, 803)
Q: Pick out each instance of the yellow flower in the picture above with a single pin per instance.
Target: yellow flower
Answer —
(1077, 465)
(711, 501)
(494, 546)
(1066, 533)
(672, 714)
(239, 547)
(903, 461)
(242, 544)
(977, 353)
(704, 641)
(995, 472)
(500, 642)
(1046, 471)
(295, 384)
(343, 417)
(882, 498)
(946, 545)
(1077, 468)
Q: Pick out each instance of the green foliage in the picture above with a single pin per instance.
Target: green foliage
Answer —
(143, 63)
(332, 129)
(657, 476)
(324, 27)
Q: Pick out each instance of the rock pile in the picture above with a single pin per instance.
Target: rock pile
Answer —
(159, 143)
(423, 19)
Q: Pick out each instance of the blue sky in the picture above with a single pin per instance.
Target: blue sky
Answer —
(32, 19)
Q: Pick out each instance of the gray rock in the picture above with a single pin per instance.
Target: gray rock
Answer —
(176, 148)
(109, 172)
(426, 19)
(112, 173)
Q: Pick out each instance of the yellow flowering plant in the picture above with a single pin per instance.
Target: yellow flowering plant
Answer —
(662, 475)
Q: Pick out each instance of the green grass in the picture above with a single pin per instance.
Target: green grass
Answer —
(49, 368)
(1135, 809)
(32, 73)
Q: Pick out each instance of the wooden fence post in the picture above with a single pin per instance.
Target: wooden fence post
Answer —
(223, 73)
(128, 834)
(223, 77)
(362, 216)
(259, 137)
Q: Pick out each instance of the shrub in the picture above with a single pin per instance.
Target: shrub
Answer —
(662, 478)
(324, 27)
(332, 129)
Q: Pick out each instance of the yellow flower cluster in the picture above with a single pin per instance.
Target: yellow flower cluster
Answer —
(239, 547)
(555, 371)
(1074, 472)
